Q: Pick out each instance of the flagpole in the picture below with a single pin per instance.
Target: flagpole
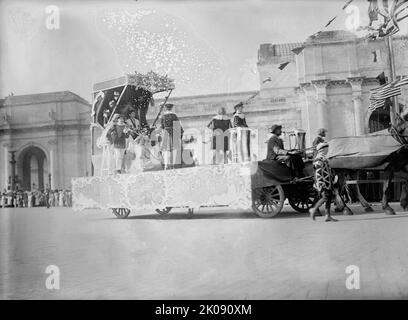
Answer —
(394, 106)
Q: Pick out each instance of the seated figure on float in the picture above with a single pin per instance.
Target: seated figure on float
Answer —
(142, 156)
(277, 152)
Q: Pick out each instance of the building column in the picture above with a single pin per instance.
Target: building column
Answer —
(309, 94)
(357, 97)
(6, 171)
(322, 102)
(52, 171)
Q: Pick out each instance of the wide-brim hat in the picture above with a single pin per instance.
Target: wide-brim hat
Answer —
(275, 127)
(238, 105)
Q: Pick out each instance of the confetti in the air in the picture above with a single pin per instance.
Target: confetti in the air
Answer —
(148, 40)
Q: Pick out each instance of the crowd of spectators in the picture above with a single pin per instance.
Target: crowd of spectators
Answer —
(37, 198)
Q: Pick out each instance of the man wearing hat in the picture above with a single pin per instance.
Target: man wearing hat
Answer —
(321, 134)
(118, 134)
(324, 182)
(277, 152)
(172, 134)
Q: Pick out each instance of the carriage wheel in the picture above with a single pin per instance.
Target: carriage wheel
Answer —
(163, 211)
(267, 202)
(121, 213)
(303, 201)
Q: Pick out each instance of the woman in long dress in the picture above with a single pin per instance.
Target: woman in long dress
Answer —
(220, 124)
(172, 133)
(105, 142)
(243, 151)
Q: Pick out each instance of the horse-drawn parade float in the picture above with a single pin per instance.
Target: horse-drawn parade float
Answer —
(147, 184)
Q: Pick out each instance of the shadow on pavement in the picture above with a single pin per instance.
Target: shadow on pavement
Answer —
(382, 216)
(214, 215)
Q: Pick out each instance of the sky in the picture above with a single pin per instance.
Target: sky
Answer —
(206, 46)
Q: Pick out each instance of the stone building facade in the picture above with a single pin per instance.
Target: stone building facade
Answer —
(331, 78)
(49, 133)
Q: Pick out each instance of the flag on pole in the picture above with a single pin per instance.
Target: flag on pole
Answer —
(386, 93)
(400, 7)
(283, 65)
(374, 105)
(401, 82)
(328, 23)
(298, 50)
(347, 4)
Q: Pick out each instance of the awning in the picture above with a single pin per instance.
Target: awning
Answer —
(359, 152)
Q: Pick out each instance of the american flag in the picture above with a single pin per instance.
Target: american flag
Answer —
(392, 89)
(375, 104)
(384, 91)
(401, 82)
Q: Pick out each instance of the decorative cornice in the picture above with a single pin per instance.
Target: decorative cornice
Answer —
(335, 83)
(51, 128)
(356, 80)
(371, 81)
(322, 101)
(321, 83)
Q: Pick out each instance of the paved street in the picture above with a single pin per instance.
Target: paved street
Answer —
(216, 255)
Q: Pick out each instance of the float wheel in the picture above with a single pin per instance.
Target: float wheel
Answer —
(267, 202)
(121, 213)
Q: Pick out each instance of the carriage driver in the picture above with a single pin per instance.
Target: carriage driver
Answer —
(277, 152)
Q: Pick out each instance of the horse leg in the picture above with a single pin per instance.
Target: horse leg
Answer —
(386, 193)
(340, 204)
(366, 205)
(404, 194)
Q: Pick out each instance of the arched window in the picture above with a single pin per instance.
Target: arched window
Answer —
(380, 119)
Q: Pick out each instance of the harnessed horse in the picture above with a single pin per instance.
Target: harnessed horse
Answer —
(397, 166)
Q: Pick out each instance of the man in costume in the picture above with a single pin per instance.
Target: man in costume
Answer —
(117, 134)
(324, 182)
(321, 134)
(276, 151)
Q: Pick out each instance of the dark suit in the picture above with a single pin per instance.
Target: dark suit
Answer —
(277, 152)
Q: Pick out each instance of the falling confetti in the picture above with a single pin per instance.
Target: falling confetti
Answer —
(147, 40)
